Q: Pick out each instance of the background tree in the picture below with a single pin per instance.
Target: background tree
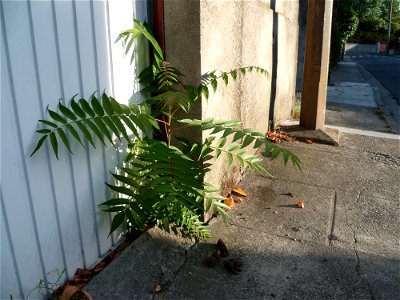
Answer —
(344, 25)
(373, 18)
(362, 21)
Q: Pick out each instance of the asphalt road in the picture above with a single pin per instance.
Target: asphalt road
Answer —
(386, 69)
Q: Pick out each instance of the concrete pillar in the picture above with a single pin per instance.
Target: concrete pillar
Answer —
(316, 64)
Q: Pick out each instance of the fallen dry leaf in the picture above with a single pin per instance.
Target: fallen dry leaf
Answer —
(99, 267)
(73, 292)
(229, 202)
(277, 136)
(81, 280)
(239, 192)
(83, 272)
(309, 141)
(68, 292)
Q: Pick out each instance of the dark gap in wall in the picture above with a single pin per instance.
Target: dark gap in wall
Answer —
(274, 66)
(302, 21)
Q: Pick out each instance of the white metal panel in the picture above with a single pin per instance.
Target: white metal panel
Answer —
(50, 218)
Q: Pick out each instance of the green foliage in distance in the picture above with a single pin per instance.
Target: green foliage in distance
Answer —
(373, 18)
(160, 183)
(344, 25)
(362, 21)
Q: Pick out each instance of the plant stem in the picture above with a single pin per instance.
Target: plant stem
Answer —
(179, 128)
(169, 129)
(162, 121)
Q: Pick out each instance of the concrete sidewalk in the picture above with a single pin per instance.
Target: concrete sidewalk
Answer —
(344, 244)
(357, 100)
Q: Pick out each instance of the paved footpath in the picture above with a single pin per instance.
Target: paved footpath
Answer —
(344, 244)
(357, 100)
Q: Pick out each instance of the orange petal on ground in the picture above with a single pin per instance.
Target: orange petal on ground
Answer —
(238, 191)
(229, 202)
(239, 200)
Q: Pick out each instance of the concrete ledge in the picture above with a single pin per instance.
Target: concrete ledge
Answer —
(318, 136)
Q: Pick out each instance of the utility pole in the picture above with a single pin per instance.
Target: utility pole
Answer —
(389, 27)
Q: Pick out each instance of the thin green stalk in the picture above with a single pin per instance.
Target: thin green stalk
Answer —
(169, 129)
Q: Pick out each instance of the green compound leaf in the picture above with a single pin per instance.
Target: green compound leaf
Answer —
(107, 104)
(77, 109)
(85, 132)
(97, 106)
(67, 112)
(116, 201)
(86, 107)
(64, 139)
(54, 143)
(229, 158)
(51, 124)
(225, 78)
(117, 221)
(39, 144)
(56, 117)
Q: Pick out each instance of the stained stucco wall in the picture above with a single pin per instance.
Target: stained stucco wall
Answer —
(236, 34)
(288, 31)
(206, 35)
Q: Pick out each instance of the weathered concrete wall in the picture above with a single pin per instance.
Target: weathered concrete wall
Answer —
(235, 34)
(288, 31)
(206, 35)
(182, 47)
